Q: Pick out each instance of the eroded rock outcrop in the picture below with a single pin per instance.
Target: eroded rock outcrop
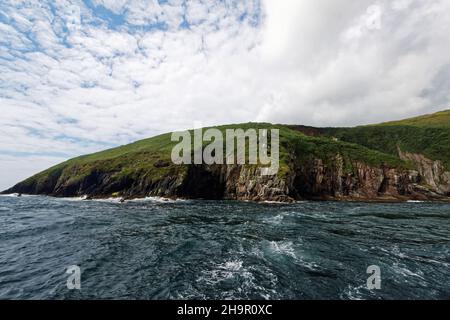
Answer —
(317, 180)
(234, 182)
(314, 178)
(432, 173)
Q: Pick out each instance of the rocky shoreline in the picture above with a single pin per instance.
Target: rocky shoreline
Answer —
(407, 160)
(312, 180)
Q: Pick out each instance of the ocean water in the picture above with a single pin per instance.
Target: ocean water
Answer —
(155, 249)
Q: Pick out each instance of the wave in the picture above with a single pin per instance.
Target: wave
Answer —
(223, 271)
(234, 265)
(121, 200)
(16, 195)
(9, 195)
(404, 272)
(284, 247)
(82, 198)
(273, 202)
(110, 200)
(276, 219)
(234, 271)
(86, 198)
(157, 200)
(354, 292)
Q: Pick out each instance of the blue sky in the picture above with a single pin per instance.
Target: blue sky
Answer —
(82, 76)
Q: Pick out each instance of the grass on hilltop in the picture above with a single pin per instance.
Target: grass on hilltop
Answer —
(428, 135)
(137, 160)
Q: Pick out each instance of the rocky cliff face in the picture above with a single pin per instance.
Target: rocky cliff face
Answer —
(359, 163)
(227, 182)
(318, 179)
(238, 182)
(431, 173)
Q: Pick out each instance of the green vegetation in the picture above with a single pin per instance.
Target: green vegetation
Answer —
(435, 120)
(428, 135)
(149, 160)
(140, 159)
(129, 161)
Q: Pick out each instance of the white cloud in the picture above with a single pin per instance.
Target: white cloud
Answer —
(116, 6)
(20, 168)
(73, 81)
(344, 64)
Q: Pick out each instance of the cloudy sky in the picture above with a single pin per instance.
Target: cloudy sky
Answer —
(81, 76)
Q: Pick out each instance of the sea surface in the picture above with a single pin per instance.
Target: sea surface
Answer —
(157, 249)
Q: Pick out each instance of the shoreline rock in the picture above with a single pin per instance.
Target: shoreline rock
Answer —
(305, 180)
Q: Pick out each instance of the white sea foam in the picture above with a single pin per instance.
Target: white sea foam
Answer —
(82, 198)
(353, 292)
(283, 247)
(235, 265)
(273, 202)
(120, 199)
(405, 272)
(286, 248)
(235, 269)
(279, 202)
(275, 219)
(85, 198)
(157, 199)
(223, 271)
(111, 200)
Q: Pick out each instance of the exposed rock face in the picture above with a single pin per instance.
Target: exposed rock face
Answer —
(431, 172)
(311, 179)
(233, 182)
(319, 181)
(208, 182)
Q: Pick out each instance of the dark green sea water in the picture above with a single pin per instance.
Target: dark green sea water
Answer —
(155, 249)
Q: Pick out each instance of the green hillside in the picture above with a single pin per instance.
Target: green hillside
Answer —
(435, 120)
(428, 135)
(140, 159)
(145, 166)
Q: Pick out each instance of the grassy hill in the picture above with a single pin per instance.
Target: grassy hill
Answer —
(140, 159)
(145, 166)
(435, 120)
(428, 135)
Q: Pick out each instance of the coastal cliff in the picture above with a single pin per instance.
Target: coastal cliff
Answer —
(361, 164)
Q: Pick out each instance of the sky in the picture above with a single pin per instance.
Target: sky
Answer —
(82, 76)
